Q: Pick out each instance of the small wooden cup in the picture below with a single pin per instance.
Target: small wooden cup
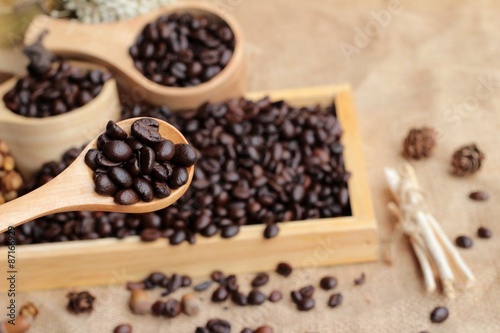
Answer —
(109, 43)
(35, 141)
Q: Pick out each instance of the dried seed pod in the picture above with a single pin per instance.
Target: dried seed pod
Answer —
(191, 304)
(80, 302)
(467, 160)
(139, 302)
(419, 143)
(12, 181)
(23, 322)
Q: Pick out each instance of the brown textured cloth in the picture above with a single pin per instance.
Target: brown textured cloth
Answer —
(425, 67)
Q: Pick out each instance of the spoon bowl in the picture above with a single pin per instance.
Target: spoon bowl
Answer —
(109, 43)
(73, 189)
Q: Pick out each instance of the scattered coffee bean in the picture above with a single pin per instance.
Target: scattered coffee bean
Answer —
(126, 167)
(464, 242)
(271, 231)
(202, 286)
(275, 296)
(80, 302)
(335, 300)
(220, 294)
(328, 283)
(255, 297)
(191, 304)
(439, 314)
(284, 269)
(306, 304)
(172, 308)
(218, 326)
(186, 281)
(182, 50)
(260, 280)
(123, 328)
(479, 196)
(296, 296)
(217, 276)
(150, 235)
(484, 232)
(139, 302)
(239, 298)
(360, 280)
(307, 291)
(264, 329)
(158, 308)
(231, 283)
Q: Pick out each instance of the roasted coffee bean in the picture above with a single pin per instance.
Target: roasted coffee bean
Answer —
(260, 280)
(179, 178)
(157, 278)
(439, 314)
(115, 132)
(164, 150)
(120, 177)
(484, 232)
(360, 280)
(202, 286)
(201, 330)
(146, 160)
(80, 302)
(150, 235)
(231, 283)
(104, 185)
(255, 297)
(161, 190)
(90, 158)
(328, 283)
(306, 304)
(230, 231)
(123, 328)
(264, 329)
(307, 291)
(134, 143)
(217, 276)
(144, 189)
(239, 298)
(275, 296)
(296, 296)
(127, 197)
(464, 242)
(335, 300)
(220, 294)
(104, 161)
(186, 281)
(176, 51)
(178, 237)
(218, 326)
(146, 130)
(479, 196)
(117, 151)
(54, 92)
(284, 269)
(185, 155)
(158, 308)
(271, 231)
(174, 283)
(172, 308)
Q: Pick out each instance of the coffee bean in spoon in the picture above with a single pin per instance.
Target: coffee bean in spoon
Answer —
(125, 166)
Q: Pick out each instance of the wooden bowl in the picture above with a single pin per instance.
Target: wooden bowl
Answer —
(35, 141)
(109, 43)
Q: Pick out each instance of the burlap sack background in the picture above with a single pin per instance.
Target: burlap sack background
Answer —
(427, 64)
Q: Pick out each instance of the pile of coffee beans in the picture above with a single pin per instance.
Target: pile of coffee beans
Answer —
(60, 89)
(303, 298)
(296, 172)
(140, 166)
(182, 50)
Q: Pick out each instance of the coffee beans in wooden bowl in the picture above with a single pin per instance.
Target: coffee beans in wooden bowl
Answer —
(183, 50)
(140, 166)
(52, 86)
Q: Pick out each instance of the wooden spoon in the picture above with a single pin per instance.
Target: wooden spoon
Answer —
(73, 190)
(109, 43)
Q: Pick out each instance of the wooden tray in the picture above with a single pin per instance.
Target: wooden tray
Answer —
(311, 243)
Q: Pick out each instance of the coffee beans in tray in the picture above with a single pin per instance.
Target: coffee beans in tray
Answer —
(52, 86)
(140, 166)
(182, 50)
(259, 163)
